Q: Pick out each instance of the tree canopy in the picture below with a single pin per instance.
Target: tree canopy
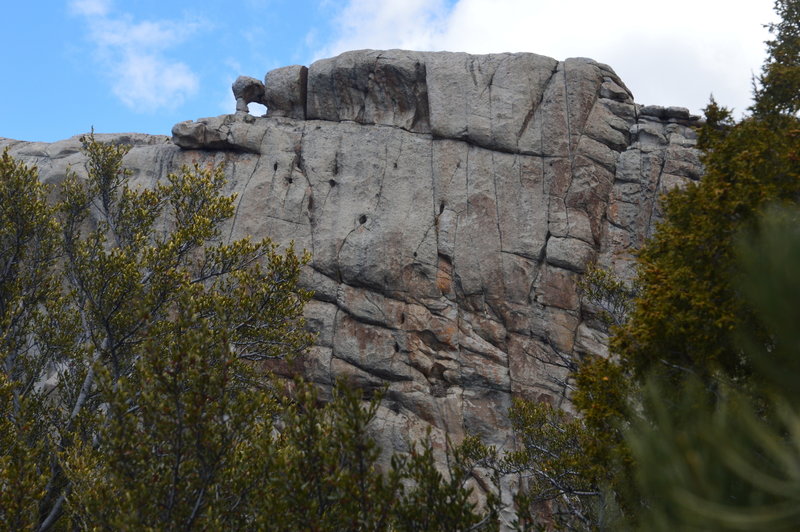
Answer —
(112, 287)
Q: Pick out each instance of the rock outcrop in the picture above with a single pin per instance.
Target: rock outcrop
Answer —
(247, 90)
(450, 203)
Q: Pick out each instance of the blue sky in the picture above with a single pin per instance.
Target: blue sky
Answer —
(143, 65)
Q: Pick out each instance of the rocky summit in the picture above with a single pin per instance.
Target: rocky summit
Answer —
(450, 203)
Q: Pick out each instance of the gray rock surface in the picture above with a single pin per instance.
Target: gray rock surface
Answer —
(285, 92)
(371, 87)
(450, 203)
(247, 90)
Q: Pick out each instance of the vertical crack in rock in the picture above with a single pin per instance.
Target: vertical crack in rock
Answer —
(165, 163)
(308, 195)
(570, 149)
(332, 182)
(492, 119)
(339, 252)
(654, 199)
(434, 195)
(379, 194)
(334, 333)
(497, 205)
(471, 66)
(536, 107)
(241, 198)
(422, 241)
(568, 115)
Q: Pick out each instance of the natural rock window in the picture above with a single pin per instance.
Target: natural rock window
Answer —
(249, 94)
(257, 109)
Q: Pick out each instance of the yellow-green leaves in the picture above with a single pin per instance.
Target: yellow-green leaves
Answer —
(610, 297)
(28, 250)
(130, 329)
(196, 203)
(170, 439)
(23, 460)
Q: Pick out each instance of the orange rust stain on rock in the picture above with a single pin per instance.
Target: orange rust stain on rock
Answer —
(444, 276)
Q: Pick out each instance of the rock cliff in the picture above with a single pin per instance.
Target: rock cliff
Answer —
(450, 203)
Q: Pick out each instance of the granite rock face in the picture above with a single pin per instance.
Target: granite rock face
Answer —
(450, 202)
(285, 92)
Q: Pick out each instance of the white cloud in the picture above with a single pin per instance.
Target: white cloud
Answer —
(673, 53)
(148, 82)
(134, 55)
(412, 24)
(90, 8)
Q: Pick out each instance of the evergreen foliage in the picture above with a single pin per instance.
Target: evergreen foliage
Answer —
(730, 459)
(28, 243)
(559, 486)
(777, 91)
(23, 461)
(113, 288)
(610, 296)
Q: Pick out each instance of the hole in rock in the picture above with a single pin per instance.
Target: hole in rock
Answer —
(396, 347)
(275, 167)
(362, 219)
(256, 109)
(332, 182)
(403, 317)
(290, 180)
(441, 207)
(415, 254)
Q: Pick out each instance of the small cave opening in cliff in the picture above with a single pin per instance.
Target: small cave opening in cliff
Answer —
(362, 219)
